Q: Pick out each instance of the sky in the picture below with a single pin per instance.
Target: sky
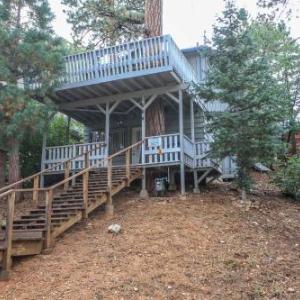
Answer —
(185, 20)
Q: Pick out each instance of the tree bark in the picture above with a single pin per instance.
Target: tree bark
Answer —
(153, 17)
(155, 115)
(2, 167)
(14, 160)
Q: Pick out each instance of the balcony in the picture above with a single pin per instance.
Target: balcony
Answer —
(135, 66)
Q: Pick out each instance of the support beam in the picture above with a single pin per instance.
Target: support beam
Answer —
(192, 117)
(173, 97)
(107, 123)
(101, 109)
(136, 103)
(181, 133)
(150, 101)
(144, 193)
(124, 96)
(114, 106)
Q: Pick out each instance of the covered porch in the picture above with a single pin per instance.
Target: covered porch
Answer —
(121, 123)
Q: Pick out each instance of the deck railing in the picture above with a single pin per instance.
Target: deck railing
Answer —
(116, 61)
(55, 155)
(156, 150)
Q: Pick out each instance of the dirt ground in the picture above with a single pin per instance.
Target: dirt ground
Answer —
(205, 247)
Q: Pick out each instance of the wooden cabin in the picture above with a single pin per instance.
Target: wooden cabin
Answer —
(109, 90)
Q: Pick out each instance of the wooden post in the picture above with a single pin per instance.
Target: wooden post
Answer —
(85, 187)
(6, 263)
(109, 205)
(86, 160)
(128, 152)
(67, 174)
(35, 193)
(144, 193)
(44, 145)
(48, 212)
(192, 116)
(107, 123)
(181, 133)
(109, 175)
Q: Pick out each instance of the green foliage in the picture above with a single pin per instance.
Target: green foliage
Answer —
(287, 178)
(29, 53)
(31, 146)
(103, 22)
(243, 75)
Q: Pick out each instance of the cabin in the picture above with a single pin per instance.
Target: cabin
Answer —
(110, 90)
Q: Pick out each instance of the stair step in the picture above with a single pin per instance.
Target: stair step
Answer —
(57, 214)
(40, 220)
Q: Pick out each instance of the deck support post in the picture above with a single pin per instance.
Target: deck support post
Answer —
(192, 117)
(7, 259)
(144, 193)
(181, 133)
(107, 123)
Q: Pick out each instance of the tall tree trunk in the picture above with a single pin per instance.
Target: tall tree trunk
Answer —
(14, 160)
(153, 23)
(155, 114)
(2, 167)
(153, 17)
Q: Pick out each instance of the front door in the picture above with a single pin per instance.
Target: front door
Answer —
(136, 136)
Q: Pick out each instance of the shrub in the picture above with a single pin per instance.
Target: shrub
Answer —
(287, 178)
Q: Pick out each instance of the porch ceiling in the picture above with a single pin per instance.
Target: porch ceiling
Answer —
(114, 88)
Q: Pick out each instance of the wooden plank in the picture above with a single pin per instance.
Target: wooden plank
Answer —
(85, 194)
(6, 264)
(35, 194)
(48, 211)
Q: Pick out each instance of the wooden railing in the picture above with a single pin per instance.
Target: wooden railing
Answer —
(107, 63)
(50, 191)
(57, 154)
(66, 165)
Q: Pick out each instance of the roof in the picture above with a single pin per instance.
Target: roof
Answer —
(194, 49)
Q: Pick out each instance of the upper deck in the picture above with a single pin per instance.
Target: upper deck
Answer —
(135, 66)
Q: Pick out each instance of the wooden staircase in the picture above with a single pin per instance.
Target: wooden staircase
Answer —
(35, 230)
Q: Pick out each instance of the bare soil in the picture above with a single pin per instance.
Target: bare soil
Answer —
(205, 247)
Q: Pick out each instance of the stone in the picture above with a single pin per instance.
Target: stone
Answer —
(114, 228)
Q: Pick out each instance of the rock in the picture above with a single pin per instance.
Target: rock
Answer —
(114, 228)
(135, 289)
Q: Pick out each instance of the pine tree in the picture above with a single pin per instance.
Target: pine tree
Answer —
(105, 22)
(242, 76)
(29, 53)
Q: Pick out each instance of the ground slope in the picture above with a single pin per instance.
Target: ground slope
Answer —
(202, 248)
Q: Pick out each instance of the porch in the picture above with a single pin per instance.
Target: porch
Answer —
(154, 151)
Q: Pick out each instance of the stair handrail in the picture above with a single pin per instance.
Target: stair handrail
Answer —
(12, 185)
(78, 174)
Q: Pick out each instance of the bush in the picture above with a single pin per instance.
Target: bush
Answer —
(287, 178)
